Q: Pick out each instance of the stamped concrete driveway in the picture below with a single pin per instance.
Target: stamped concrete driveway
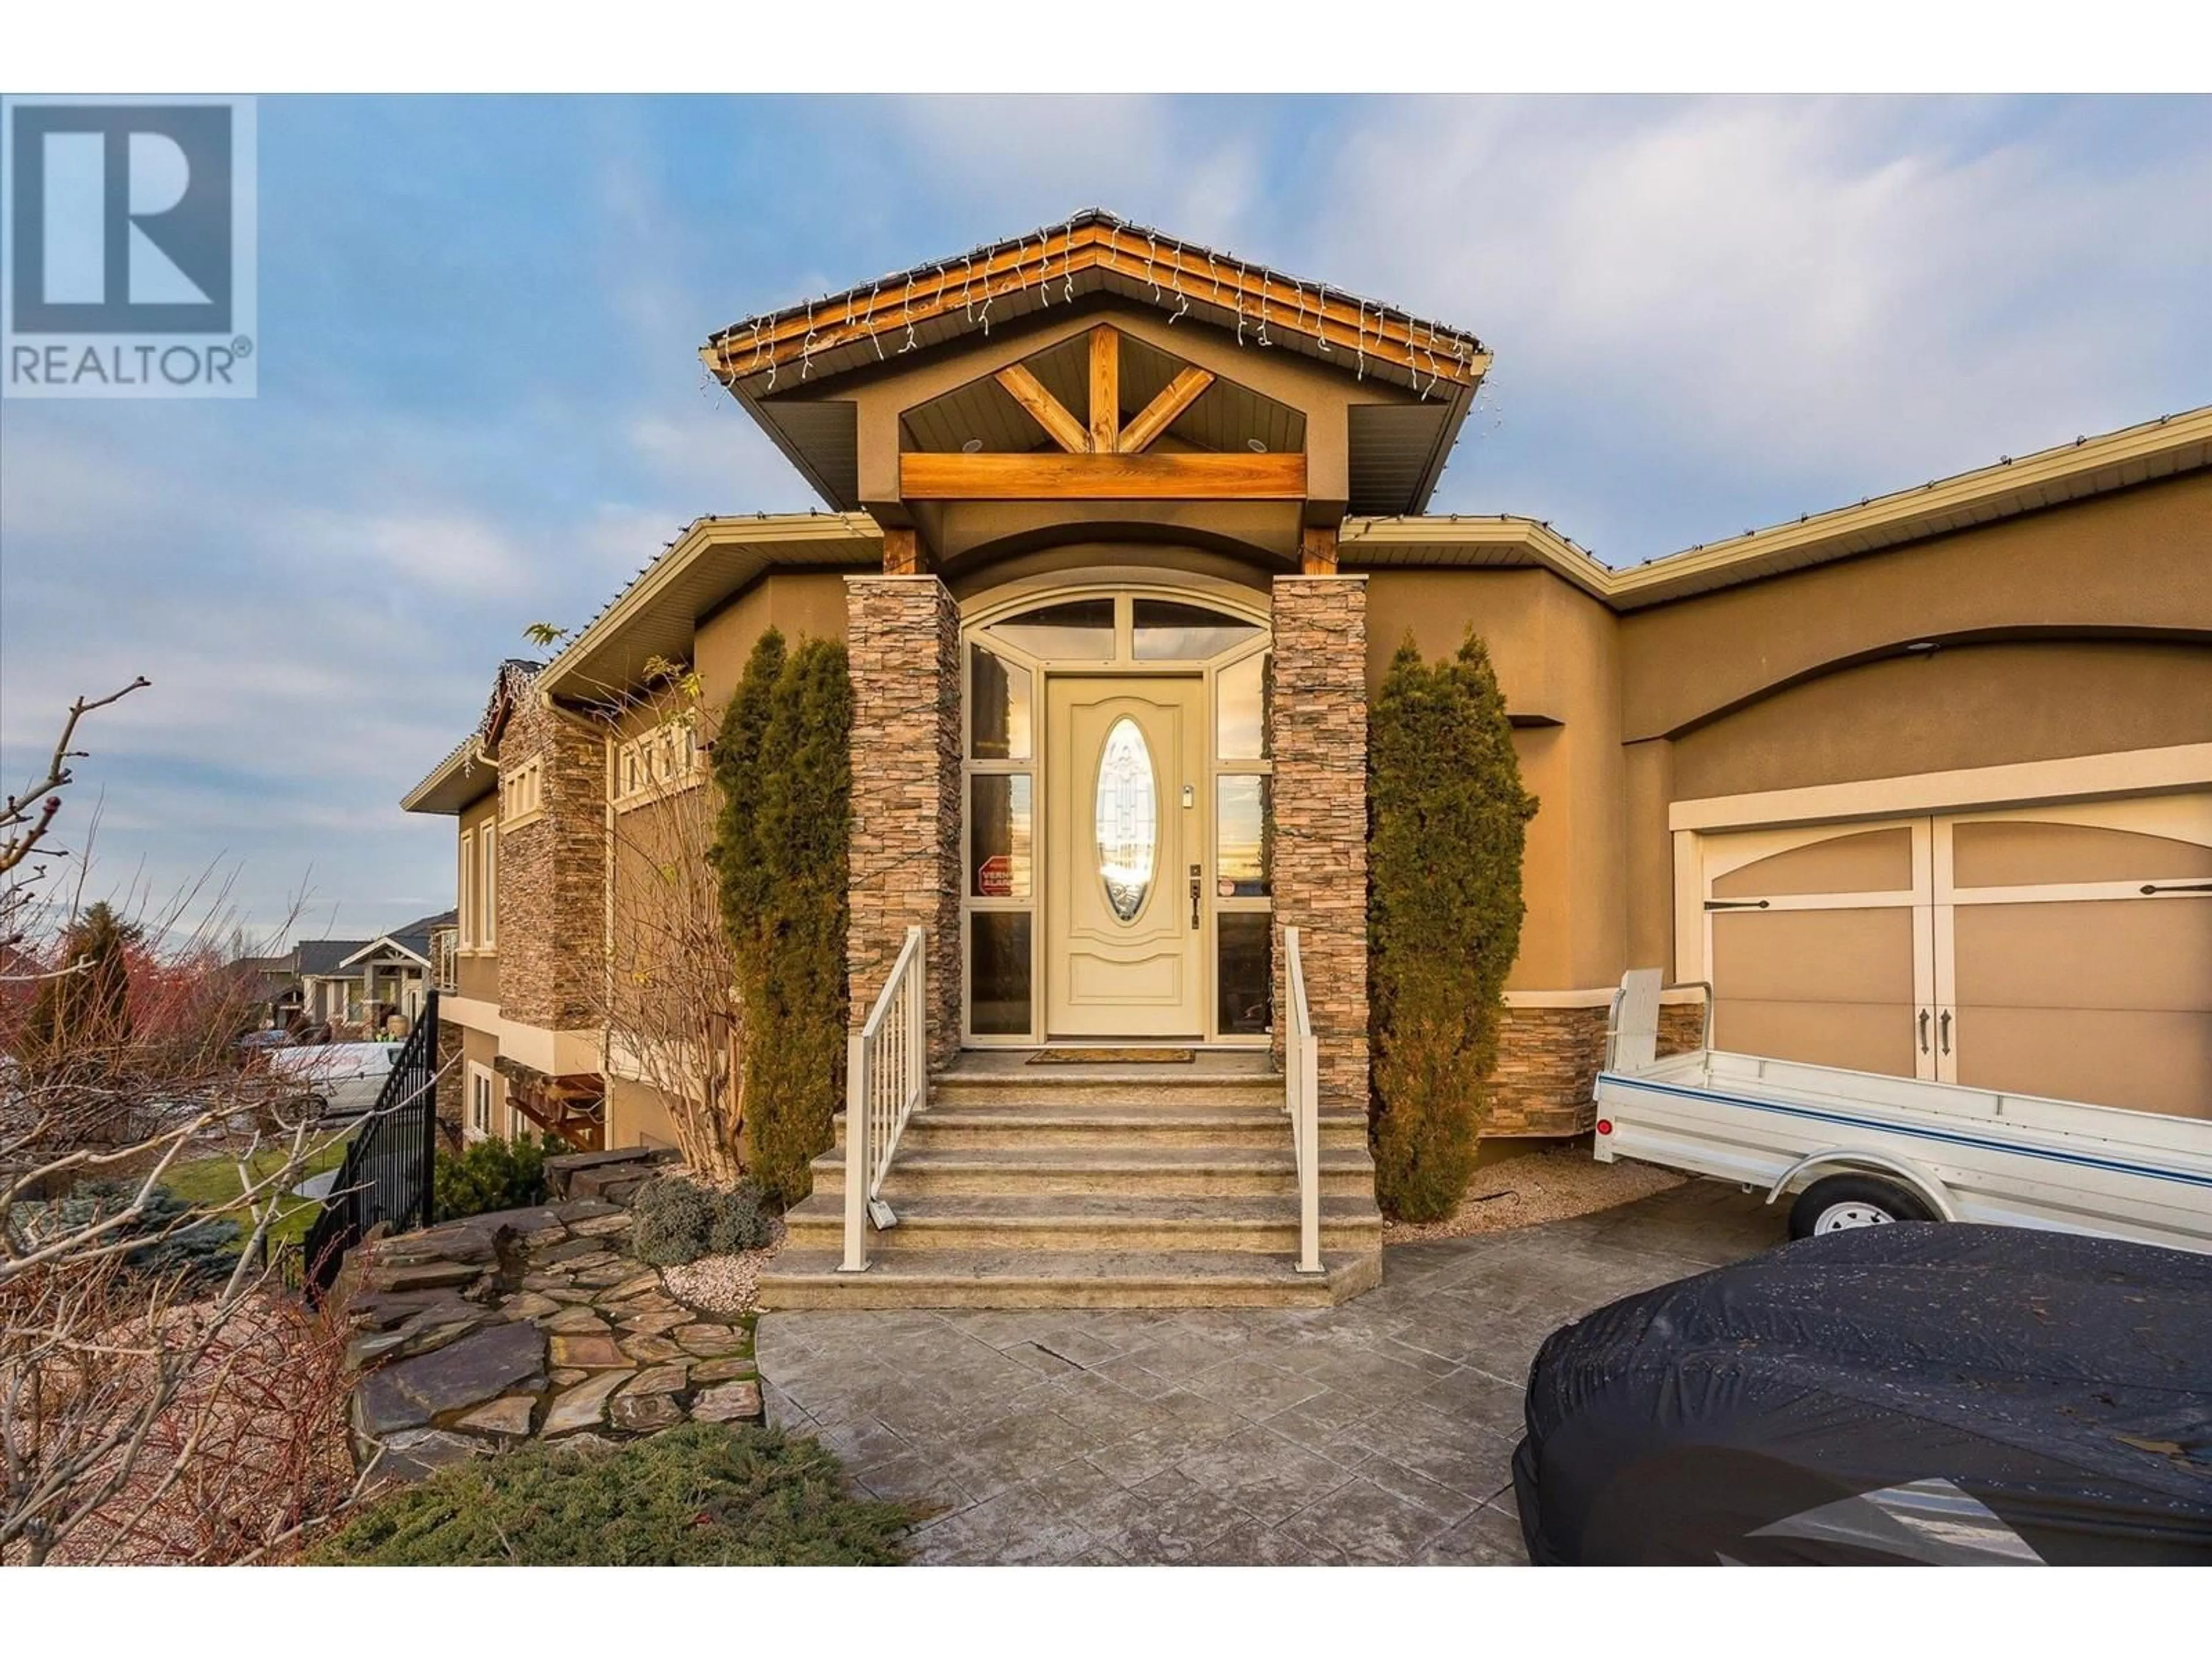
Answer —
(1377, 1432)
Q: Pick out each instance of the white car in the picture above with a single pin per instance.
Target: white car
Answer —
(347, 1078)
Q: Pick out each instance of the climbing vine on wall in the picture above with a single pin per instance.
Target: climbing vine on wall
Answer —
(782, 762)
(1447, 820)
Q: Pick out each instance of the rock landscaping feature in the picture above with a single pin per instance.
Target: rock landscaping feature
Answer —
(478, 1334)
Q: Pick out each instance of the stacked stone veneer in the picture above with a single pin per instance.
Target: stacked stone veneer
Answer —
(447, 1101)
(1318, 722)
(903, 641)
(552, 873)
(1548, 1061)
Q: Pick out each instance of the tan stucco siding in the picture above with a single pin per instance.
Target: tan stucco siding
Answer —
(2140, 560)
(803, 604)
(1553, 650)
(1965, 705)
(637, 1115)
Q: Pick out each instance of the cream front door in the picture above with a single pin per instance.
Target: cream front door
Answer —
(1124, 773)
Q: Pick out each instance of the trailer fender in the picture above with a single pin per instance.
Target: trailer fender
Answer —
(1846, 1157)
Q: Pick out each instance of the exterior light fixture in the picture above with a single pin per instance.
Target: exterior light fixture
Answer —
(971, 446)
(1922, 647)
(1257, 446)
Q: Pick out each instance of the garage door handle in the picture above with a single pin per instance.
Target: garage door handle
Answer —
(2176, 887)
(1924, 1031)
(1735, 904)
(1943, 1025)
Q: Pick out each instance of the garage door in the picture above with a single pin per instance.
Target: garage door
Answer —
(2062, 951)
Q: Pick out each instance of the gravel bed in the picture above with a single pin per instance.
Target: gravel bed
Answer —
(1551, 1185)
(723, 1284)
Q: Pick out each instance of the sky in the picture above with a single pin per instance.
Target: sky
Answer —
(481, 406)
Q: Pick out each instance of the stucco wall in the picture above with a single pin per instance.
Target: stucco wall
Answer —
(1553, 648)
(2141, 559)
(804, 604)
(636, 1116)
(1962, 706)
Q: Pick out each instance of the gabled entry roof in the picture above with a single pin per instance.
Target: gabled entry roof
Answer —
(1398, 385)
(942, 300)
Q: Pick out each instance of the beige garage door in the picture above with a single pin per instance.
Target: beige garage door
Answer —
(2061, 950)
(2074, 953)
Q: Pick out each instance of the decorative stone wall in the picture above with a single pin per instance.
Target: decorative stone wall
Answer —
(1317, 720)
(552, 873)
(903, 637)
(1548, 1066)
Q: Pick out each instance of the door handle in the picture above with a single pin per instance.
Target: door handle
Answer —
(1943, 1025)
(2176, 887)
(1196, 870)
(1924, 1031)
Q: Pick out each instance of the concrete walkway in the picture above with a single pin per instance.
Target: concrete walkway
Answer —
(1376, 1431)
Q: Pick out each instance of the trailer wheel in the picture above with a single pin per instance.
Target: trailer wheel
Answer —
(1841, 1201)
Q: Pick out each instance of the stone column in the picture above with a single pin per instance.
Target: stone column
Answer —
(902, 638)
(1317, 720)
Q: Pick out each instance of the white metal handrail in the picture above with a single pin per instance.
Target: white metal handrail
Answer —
(1301, 1102)
(886, 1079)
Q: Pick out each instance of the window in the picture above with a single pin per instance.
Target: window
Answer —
(488, 888)
(522, 793)
(657, 763)
(467, 890)
(481, 1089)
(443, 972)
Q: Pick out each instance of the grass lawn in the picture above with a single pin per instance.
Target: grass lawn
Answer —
(213, 1182)
(702, 1494)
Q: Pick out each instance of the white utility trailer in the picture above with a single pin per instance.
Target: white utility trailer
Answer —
(1859, 1148)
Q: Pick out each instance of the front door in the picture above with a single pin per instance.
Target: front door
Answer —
(1126, 844)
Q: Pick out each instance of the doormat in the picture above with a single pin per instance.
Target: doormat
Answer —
(1112, 1057)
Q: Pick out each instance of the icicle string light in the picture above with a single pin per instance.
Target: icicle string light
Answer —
(1424, 353)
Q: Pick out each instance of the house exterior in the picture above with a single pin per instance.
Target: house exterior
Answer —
(1120, 534)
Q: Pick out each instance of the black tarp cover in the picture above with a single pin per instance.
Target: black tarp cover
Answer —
(1909, 1393)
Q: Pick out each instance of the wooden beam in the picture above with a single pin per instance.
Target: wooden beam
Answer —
(1317, 550)
(1157, 416)
(1047, 411)
(902, 555)
(930, 475)
(1105, 390)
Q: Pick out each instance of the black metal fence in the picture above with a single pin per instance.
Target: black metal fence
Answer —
(386, 1176)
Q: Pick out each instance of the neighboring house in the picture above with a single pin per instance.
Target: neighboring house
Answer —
(339, 982)
(1123, 534)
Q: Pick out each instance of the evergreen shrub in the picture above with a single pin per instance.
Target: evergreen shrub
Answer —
(490, 1175)
(699, 1494)
(783, 763)
(675, 1220)
(1447, 821)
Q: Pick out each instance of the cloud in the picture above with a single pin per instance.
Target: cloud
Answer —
(1832, 296)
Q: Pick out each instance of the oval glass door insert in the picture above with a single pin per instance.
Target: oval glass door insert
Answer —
(1128, 819)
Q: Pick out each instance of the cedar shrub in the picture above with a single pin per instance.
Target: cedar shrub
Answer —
(1447, 819)
(783, 763)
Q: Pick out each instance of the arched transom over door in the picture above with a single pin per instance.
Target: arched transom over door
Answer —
(2063, 951)
(1117, 805)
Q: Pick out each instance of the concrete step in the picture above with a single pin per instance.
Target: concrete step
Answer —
(1024, 1125)
(965, 1278)
(933, 1167)
(1098, 1222)
(1121, 1085)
